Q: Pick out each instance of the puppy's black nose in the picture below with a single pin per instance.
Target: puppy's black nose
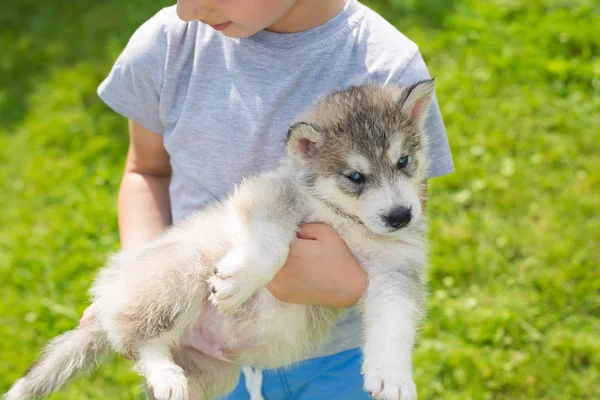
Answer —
(399, 217)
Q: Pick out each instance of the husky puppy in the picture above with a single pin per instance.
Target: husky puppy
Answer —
(354, 161)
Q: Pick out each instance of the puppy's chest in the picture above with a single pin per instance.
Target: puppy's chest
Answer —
(369, 250)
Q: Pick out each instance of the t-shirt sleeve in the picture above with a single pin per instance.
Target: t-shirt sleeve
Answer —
(133, 86)
(440, 156)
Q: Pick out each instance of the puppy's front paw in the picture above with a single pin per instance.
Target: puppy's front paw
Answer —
(236, 278)
(390, 384)
(169, 384)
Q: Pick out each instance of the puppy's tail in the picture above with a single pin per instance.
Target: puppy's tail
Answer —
(62, 358)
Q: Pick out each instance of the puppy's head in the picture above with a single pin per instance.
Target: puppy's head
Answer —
(363, 150)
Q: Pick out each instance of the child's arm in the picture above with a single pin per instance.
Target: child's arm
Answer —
(144, 205)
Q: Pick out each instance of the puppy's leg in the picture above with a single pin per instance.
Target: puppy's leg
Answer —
(267, 213)
(214, 380)
(391, 312)
(166, 380)
(147, 293)
(208, 377)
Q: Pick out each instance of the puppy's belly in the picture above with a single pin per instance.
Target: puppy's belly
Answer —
(220, 337)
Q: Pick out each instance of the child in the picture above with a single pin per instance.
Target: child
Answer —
(210, 88)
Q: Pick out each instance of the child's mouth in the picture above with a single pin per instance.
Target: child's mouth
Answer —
(220, 27)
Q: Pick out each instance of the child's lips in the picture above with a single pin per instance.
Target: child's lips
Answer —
(220, 27)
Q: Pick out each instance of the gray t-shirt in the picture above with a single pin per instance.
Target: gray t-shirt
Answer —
(224, 105)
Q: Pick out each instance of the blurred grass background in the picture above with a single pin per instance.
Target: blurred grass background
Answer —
(515, 279)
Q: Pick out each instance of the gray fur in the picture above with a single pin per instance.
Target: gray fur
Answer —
(207, 273)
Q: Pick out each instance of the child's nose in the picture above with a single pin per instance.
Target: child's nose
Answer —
(192, 10)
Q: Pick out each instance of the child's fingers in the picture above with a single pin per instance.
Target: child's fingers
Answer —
(315, 231)
(89, 315)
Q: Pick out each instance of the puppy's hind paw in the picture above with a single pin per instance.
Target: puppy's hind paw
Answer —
(169, 384)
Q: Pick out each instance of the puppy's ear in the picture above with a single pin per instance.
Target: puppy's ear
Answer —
(416, 100)
(303, 139)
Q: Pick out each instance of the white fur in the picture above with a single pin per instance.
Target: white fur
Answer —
(359, 163)
(149, 301)
(165, 378)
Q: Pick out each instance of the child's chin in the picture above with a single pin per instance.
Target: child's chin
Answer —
(238, 32)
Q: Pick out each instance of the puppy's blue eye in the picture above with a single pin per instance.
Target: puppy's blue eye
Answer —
(402, 162)
(356, 177)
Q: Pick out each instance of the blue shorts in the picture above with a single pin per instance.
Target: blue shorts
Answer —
(333, 377)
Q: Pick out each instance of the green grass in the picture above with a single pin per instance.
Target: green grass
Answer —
(515, 281)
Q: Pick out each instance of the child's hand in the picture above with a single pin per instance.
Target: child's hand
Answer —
(89, 315)
(320, 270)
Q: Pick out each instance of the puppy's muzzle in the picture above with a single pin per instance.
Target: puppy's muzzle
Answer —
(398, 218)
